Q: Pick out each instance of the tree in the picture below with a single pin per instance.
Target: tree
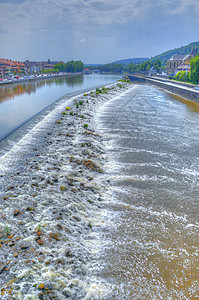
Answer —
(157, 65)
(111, 68)
(194, 66)
(132, 68)
(182, 76)
(59, 66)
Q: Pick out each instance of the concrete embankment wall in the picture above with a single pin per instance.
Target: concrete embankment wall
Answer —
(175, 88)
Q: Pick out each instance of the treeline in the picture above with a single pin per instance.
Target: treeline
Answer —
(193, 75)
(131, 68)
(145, 67)
(112, 68)
(115, 68)
(183, 50)
(70, 66)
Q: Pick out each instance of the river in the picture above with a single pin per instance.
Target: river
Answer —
(149, 242)
(20, 102)
(144, 238)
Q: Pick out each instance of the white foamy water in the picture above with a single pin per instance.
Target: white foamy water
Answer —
(51, 185)
(150, 244)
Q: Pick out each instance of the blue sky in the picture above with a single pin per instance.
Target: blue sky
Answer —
(95, 31)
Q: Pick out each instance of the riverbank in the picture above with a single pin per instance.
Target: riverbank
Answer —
(188, 91)
(37, 77)
(48, 203)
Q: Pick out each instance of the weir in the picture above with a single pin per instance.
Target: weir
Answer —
(185, 90)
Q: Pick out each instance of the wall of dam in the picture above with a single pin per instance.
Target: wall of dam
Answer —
(184, 90)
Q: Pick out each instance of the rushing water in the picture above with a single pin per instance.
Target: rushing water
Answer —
(144, 238)
(20, 102)
(149, 241)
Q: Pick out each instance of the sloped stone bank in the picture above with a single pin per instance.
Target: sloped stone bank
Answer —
(46, 208)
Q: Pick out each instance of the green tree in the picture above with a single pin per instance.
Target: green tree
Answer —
(79, 66)
(115, 68)
(132, 68)
(182, 76)
(194, 66)
(59, 66)
(157, 65)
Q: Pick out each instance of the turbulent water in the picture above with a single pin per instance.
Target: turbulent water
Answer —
(103, 208)
(149, 242)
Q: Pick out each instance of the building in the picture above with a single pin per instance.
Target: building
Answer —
(173, 63)
(38, 66)
(179, 63)
(8, 66)
(152, 71)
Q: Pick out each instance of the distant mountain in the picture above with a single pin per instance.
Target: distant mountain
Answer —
(92, 65)
(130, 60)
(184, 50)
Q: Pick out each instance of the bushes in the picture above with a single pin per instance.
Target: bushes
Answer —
(182, 76)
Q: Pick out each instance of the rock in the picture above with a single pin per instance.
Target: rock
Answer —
(29, 209)
(10, 188)
(41, 296)
(59, 227)
(54, 236)
(68, 253)
(17, 212)
(24, 247)
(39, 240)
(41, 286)
(3, 268)
(76, 218)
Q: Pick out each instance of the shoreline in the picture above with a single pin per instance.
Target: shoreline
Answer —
(49, 202)
(42, 77)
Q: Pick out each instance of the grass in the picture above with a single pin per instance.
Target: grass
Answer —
(7, 229)
(63, 188)
(98, 91)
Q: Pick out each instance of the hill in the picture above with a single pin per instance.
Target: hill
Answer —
(181, 50)
(130, 60)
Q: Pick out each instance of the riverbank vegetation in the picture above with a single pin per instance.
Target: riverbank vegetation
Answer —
(70, 66)
(131, 68)
(193, 75)
(145, 67)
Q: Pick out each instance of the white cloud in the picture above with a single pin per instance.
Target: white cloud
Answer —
(40, 25)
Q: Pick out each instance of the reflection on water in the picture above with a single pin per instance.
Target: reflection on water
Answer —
(148, 243)
(10, 91)
(20, 102)
(192, 106)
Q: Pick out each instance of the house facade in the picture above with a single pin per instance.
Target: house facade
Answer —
(179, 63)
(8, 66)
